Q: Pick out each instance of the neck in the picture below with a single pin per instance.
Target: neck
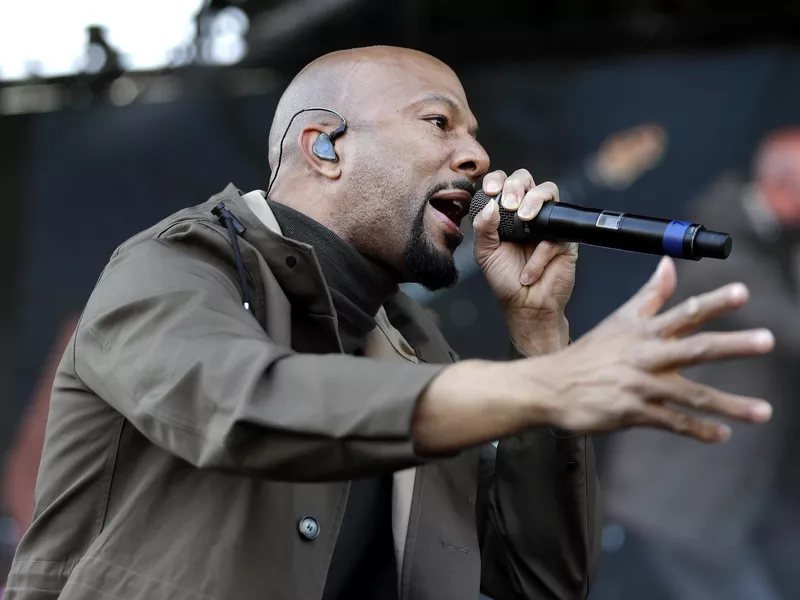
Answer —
(358, 285)
(304, 198)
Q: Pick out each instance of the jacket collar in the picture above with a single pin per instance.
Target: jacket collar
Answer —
(294, 264)
(298, 272)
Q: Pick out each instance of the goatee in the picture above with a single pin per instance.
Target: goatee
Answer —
(429, 266)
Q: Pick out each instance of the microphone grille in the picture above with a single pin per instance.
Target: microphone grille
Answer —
(479, 200)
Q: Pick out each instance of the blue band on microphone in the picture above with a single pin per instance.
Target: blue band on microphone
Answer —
(673, 238)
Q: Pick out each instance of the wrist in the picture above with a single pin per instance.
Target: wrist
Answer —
(525, 392)
(539, 335)
(475, 402)
(541, 393)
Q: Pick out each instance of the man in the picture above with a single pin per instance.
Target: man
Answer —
(723, 522)
(250, 409)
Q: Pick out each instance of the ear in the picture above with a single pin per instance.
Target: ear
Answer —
(308, 135)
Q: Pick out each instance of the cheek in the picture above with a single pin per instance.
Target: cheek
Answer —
(389, 180)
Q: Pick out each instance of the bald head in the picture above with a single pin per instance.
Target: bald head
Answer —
(410, 135)
(347, 81)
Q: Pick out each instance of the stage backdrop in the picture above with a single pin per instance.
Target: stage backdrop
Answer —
(83, 181)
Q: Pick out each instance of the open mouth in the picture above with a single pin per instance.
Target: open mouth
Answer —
(453, 204)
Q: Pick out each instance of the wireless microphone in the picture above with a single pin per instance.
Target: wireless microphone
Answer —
(562, 222)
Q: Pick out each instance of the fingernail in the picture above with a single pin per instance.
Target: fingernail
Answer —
(492, 187)
(525, 211)
(525, 279)
(763, 339)
(723, 433)
(761, 412)
(487, 211)
(738, 291)
(510, 201)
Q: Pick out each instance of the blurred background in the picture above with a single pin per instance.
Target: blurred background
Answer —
(116, 114)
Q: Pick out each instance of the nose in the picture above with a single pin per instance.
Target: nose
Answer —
(470, 160)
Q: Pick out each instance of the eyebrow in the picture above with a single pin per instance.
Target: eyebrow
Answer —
(447, 101)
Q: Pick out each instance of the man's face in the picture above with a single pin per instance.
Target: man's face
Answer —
(416, 164)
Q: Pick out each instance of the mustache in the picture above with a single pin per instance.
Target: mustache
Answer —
(455, 184)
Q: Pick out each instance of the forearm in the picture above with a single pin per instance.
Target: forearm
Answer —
(474, 402)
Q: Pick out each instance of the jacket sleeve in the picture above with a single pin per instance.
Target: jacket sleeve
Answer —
(539, 517)
(166, 342)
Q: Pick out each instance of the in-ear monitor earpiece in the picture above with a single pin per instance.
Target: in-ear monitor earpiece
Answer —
(323, 145)
(323, 148)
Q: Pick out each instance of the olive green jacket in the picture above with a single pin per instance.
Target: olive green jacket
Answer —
(188, 438)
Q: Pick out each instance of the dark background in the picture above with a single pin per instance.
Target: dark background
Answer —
(547, 81)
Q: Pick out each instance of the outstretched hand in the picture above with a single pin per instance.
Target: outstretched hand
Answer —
(625, 372)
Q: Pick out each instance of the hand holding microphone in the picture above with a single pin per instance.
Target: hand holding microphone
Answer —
(532, 280)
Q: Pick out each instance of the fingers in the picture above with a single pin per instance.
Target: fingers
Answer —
(515, 187)
(682, 423)
(690, 314)
(493, 182)
(542, 255)
(535, 198)
(652, 296)
(670, 355)
(707, 399)
(697, 397)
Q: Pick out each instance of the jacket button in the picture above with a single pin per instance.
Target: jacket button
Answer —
(309, 528)
(572, 466)
(291, 261)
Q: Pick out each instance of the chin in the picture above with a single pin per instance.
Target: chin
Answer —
(431, 264)
(444, 241)
(429, 252)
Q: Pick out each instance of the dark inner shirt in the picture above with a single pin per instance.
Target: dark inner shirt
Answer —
(363, 563)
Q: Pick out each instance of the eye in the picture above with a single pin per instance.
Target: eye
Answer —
(440, 121)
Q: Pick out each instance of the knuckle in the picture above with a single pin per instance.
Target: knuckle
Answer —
(553, 191)
(699, 399)
(514, 183)
(697, 347)
(643, 328)
(636, 383)
(523, 175)
(683, 423)
(635, 358)
(550, 186)
(704, 346)
(631, 412)
(691, 307)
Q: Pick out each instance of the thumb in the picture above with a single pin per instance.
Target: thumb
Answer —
(652, 296)
(486, 223)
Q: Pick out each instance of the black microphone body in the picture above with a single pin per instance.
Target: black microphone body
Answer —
(562, 222)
